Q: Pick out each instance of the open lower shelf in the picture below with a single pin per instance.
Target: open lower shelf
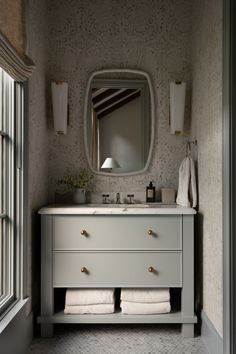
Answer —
(117, 317)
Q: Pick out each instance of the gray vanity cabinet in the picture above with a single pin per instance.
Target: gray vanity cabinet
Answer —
(134, 250)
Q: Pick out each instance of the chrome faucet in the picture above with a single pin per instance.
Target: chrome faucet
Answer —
(117, 198)
(130, 196)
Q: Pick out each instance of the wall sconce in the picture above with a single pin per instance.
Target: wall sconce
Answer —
(109, 164)
(60, 106)
(177, 106)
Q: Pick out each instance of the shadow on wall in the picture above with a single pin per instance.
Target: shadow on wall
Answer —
(198, 266)
(36, 265)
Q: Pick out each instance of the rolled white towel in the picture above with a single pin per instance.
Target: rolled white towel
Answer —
(89, 296)
(140, 308)
(145, 295)
(91, 309)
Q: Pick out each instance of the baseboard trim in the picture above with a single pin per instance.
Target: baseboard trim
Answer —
(18, 334)
(210, 336)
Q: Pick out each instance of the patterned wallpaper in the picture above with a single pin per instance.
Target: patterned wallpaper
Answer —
(85, 36)
(207, 128)
(38, 142)
(154, 36)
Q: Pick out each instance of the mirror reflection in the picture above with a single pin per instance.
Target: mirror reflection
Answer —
(118, 123)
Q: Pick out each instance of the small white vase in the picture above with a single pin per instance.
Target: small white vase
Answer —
(79, 196)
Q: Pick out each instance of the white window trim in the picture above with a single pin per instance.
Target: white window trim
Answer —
(14, 201)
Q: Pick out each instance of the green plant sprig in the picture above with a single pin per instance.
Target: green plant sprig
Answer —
(80, 180)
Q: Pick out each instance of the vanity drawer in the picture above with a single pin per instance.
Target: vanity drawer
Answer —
(117, 269)
(162, 232)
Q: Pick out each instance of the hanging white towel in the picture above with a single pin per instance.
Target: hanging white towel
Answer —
(96, 309)
(145, 295)
(141, 308)
(193, 190)
(89, 296)
(187, 184)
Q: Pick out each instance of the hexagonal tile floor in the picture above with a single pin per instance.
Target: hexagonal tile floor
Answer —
(123, 339)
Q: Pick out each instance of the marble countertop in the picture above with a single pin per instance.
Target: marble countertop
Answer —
(114, 209)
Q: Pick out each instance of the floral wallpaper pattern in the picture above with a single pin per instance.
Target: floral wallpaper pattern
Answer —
(170, 40)
(85, 36)
(207, 120)
(38, 143)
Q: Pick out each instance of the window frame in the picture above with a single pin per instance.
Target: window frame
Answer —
(12, 188)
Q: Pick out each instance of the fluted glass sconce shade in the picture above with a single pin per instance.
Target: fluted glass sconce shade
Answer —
(60, 106)
(110, 163)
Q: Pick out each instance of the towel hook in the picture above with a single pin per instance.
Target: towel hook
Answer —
(188, 149)
(188, 146)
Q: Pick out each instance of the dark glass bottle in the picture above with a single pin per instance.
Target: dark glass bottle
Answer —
(150, 193)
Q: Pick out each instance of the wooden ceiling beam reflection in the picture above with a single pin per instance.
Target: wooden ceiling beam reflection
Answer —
(104, 96)
(116, 105)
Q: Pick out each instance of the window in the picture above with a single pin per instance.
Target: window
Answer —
(11, 118)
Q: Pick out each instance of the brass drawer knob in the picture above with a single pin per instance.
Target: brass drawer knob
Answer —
(83, 233)
(84, 270)
(150, 232)
(151, 269)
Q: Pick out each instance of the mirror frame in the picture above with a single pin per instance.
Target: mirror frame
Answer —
(152, 112)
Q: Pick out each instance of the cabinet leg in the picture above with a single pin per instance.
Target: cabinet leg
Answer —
(46, 330)
(188, 330)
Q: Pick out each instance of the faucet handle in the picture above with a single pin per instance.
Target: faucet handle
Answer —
(104, 198)
(130, 196)
(117, 198)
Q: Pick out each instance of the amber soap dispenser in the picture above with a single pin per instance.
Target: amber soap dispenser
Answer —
(150, 193)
